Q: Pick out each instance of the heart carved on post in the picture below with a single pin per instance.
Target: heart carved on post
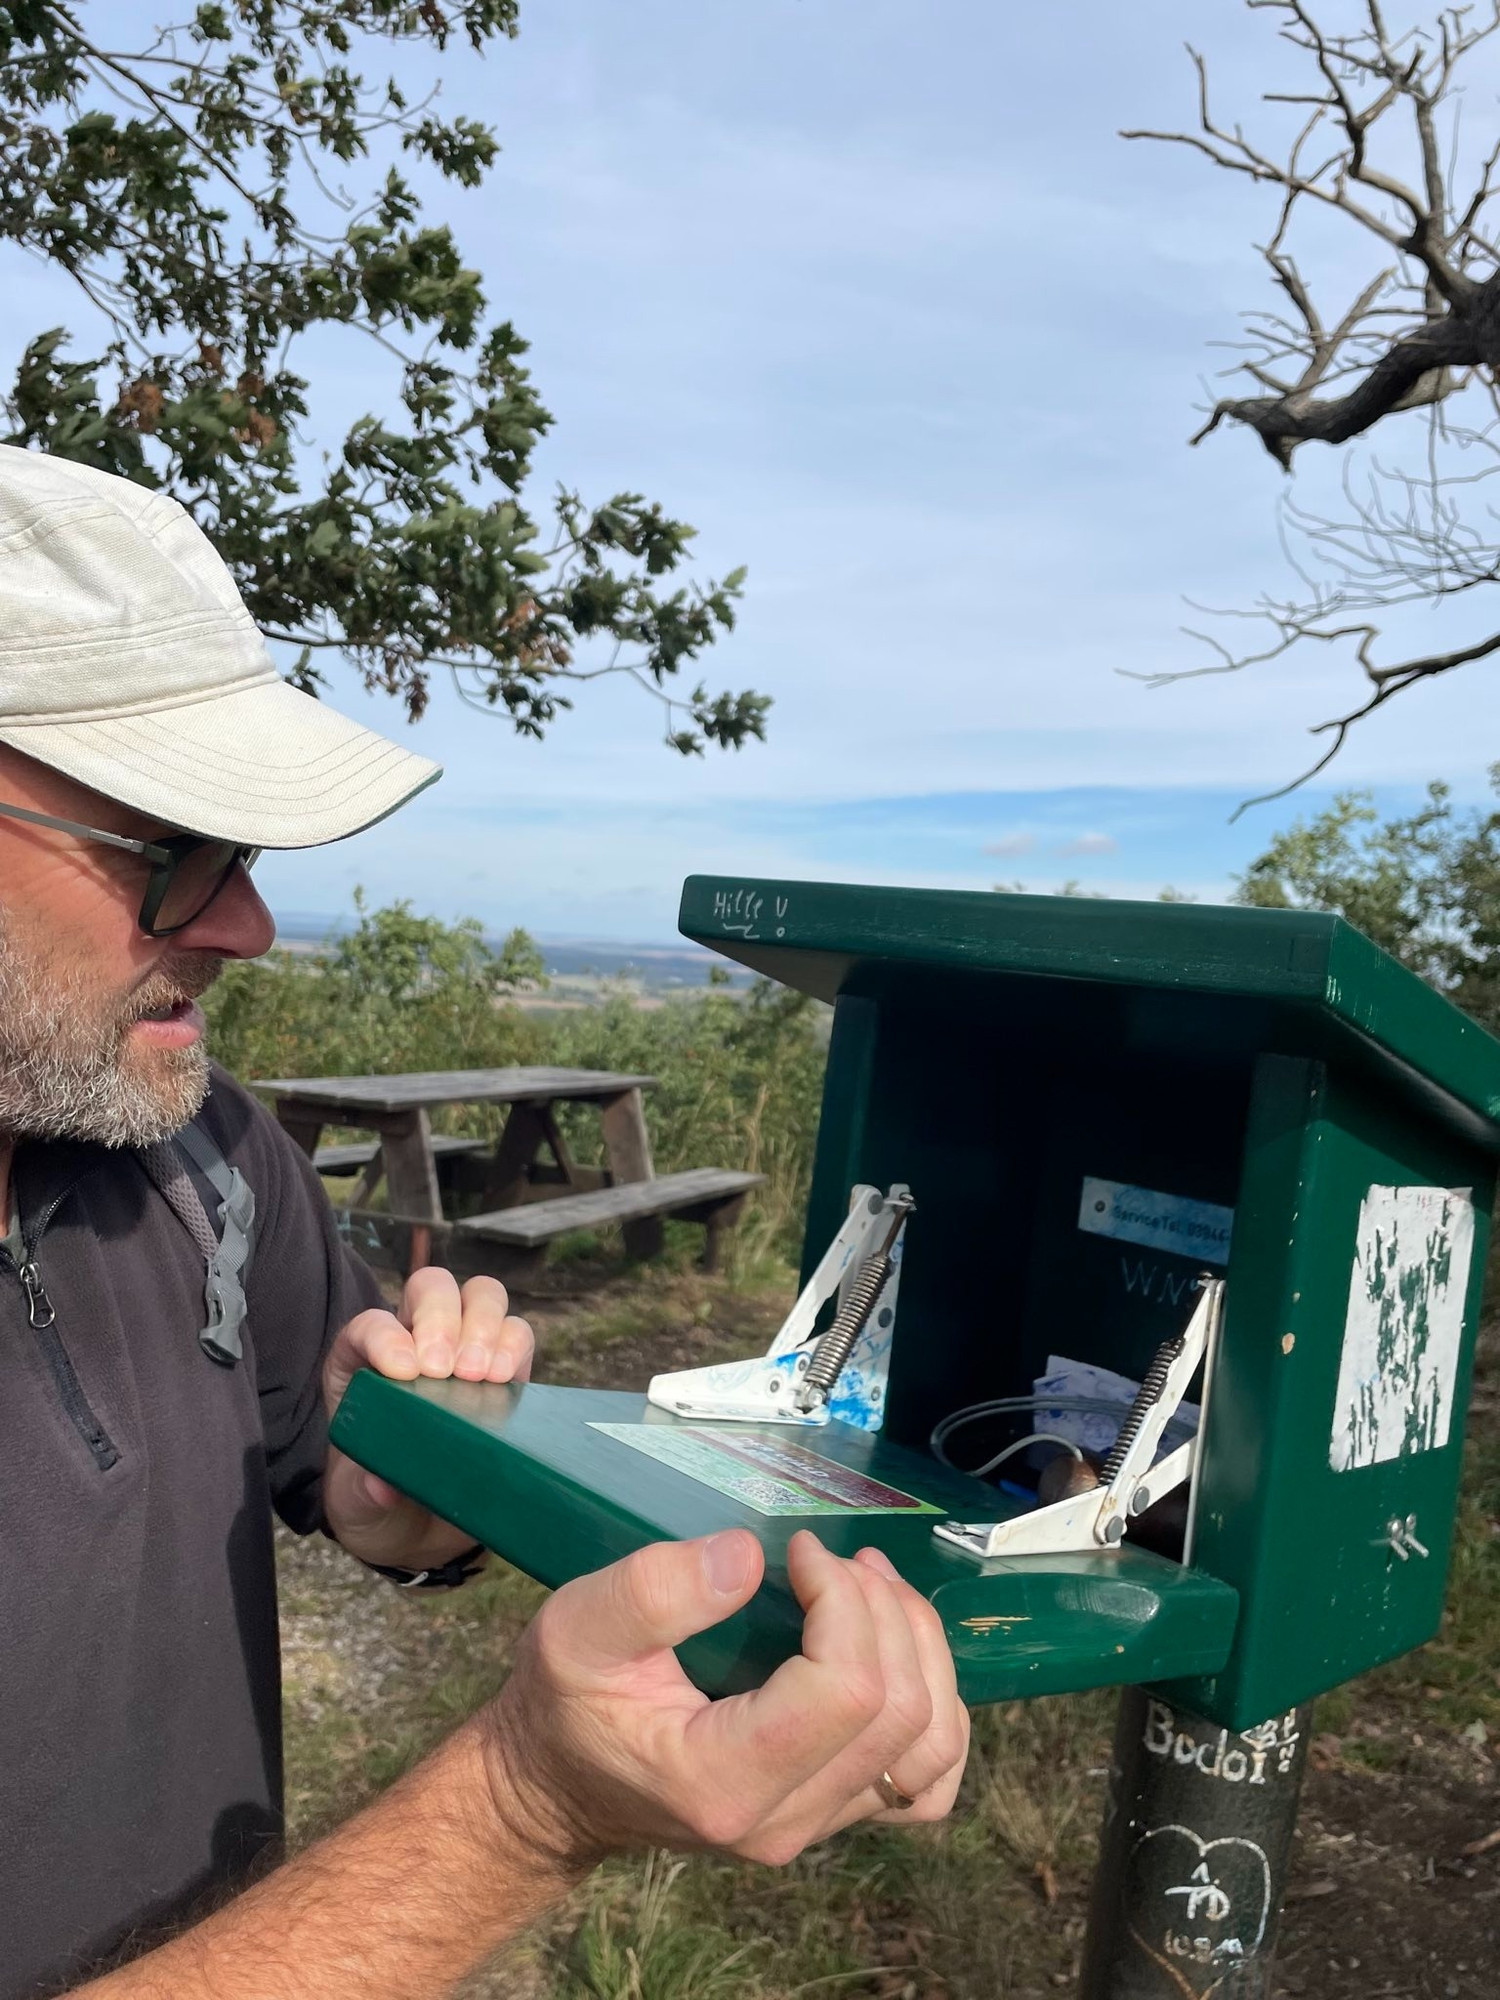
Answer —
(1202, 1906)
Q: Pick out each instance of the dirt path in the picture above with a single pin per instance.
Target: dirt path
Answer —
(1385, 1902)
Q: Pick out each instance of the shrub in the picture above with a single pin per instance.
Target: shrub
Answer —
(398, 992)
(739, 1084)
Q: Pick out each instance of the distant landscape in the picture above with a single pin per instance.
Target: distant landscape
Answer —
(576, 967)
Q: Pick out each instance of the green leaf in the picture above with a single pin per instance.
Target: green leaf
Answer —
(412, 551)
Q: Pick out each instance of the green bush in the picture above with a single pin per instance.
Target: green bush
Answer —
(739, 1084)
(398, 992)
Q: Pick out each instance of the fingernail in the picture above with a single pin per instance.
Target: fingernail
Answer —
(877, 1559)
(726, 1561)
(436, 1359)
(473, 1358)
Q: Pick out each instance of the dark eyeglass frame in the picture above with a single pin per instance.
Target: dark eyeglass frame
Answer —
(166, 856)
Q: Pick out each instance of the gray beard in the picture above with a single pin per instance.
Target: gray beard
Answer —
(65, 1071)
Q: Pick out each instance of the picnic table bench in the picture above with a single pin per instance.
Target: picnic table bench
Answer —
(361, 1153)
(713, 1196)
(477, 1206)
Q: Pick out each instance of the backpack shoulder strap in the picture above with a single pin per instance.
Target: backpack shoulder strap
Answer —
(226, 1248)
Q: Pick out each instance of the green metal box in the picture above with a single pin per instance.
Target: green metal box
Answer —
(1091, 1102)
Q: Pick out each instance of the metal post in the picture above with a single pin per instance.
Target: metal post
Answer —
(1194, 1855)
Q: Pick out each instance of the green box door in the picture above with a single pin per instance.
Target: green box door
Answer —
(1002, 1054)
(1091, 1103)
(1296, 1502)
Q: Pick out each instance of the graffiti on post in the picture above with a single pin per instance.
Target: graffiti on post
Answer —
(1200, 1907)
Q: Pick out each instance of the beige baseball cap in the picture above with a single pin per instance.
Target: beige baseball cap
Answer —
(129, 662)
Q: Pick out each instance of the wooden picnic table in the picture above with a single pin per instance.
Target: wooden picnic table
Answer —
(399, 1109)
(419, 1167)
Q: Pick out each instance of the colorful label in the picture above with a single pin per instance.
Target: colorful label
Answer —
(1168, 1222)
(766, 1474)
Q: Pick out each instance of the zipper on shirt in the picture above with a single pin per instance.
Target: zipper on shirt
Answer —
(41, 1316)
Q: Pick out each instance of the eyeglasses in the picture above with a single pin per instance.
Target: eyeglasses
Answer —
(187, 871)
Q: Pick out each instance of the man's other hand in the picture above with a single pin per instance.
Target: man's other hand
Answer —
(599, 1742)
(439, 1331)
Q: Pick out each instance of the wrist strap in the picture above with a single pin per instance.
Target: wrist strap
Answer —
(443, 1576)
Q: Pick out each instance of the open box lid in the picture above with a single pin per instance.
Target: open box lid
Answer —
(1291, 968)
(562, 1481)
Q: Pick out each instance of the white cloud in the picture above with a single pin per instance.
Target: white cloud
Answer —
(875, 297)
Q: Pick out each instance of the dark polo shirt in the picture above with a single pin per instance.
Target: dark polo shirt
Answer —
(140, 1694)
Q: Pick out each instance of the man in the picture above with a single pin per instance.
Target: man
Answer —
(147, 749)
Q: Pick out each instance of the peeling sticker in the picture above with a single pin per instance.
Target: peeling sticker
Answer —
(1404, 1326)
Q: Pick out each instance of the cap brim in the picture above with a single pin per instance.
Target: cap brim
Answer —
(263, 765)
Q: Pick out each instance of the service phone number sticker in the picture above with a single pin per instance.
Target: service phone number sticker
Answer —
(765, 1474)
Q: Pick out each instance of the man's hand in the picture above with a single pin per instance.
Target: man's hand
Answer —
(599, 1742)
(440, 1331)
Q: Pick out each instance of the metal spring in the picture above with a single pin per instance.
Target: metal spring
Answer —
(834, 1349)
(1148, 1394)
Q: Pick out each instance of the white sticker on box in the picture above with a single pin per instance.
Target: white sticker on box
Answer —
(1405, 1325)
(1170, 1222)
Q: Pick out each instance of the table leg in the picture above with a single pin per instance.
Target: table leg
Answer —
(302, 1125)
(371, 1175)
(716, 1224)
(627, 1148)
(519, 1144)
(410, 1171)
(627, 1144)
(558, 1147)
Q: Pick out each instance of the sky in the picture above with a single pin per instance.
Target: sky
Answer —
(877, 298)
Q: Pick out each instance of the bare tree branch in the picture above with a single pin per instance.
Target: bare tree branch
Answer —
(1389, 681)
(1452, 320)
(1377, 146)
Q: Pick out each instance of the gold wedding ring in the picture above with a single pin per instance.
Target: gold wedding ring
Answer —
(891, 1792)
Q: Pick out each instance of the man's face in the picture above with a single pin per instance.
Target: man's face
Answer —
(99, 1036)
